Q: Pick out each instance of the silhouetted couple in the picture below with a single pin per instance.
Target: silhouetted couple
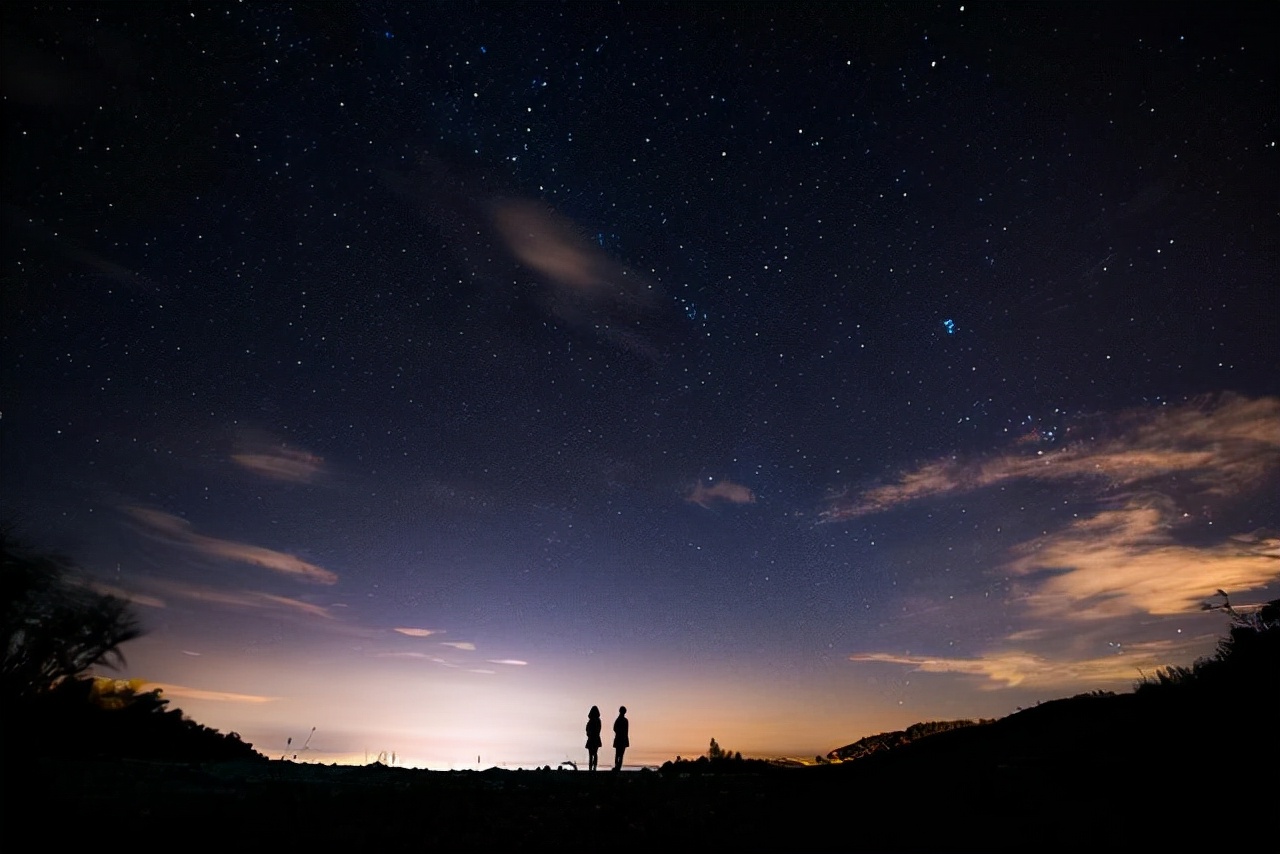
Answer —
(621, 737)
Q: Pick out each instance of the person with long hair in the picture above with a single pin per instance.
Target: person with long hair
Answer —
(593, 737)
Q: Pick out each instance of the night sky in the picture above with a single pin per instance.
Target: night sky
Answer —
(429, 373)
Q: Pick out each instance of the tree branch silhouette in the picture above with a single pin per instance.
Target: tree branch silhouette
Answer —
(52, 624)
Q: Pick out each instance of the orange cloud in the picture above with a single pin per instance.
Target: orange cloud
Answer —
(1028, 670)
(514, 662)
(1106, 570)
(723, 491)
(179, 531)
(1123, 562)
(463, 645)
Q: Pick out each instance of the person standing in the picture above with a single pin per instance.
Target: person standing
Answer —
(621, 737)
(593, 737)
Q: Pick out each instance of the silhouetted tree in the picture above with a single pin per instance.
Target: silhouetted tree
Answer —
(717, 753)
(53, 626)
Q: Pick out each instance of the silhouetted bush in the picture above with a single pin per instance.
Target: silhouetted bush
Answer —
(724, 764)
(113, 719)
(1247, 657)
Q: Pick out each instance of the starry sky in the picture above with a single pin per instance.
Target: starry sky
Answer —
(428, 373)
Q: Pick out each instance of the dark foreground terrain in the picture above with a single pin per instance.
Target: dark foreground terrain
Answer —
(1099, 784)
(1188, 761)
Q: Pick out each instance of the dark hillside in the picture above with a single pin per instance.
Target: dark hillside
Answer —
(900, 738)
(1217, 716)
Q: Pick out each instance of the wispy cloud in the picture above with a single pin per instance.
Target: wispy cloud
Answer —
(1029, 670)
(552, 245)
(444, 662)
(239, 599)
(417, 633)
(421, 656)
(296, 605)
(271, 458)
(1218, 448)
(289, 465)
(707, 493)
(182, 692)
(586, 287)
(179, 531)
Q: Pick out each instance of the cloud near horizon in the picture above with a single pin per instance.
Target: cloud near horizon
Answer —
(419, 655)
(179, 532)
(1128, 553)
(1027, 670)
(416, 633)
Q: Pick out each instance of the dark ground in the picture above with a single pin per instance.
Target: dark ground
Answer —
(1191, 765)
(951, 806)
(263, 806)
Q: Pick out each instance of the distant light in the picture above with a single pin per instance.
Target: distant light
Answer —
(951, 326)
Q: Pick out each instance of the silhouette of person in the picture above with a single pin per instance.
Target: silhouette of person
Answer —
(621, 737)
(593, 737)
